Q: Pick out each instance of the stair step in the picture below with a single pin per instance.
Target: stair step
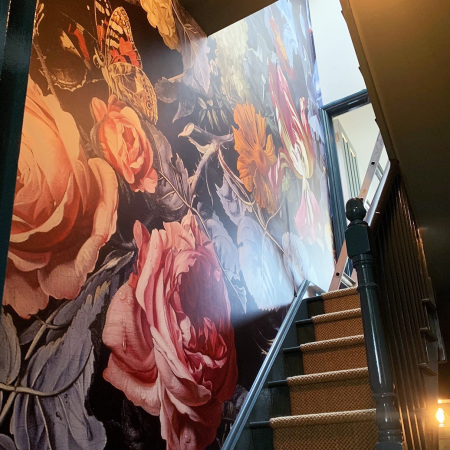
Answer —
(338, 324)
(305, 331)
(330, 392)
(315, 306)
(333, 354)
(341, 300)
(345, 430)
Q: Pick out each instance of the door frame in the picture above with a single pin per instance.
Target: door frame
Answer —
(328, 112)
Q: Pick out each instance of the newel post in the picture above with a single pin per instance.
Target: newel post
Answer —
(361, 250)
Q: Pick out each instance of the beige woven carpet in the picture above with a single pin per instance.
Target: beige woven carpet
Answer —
(342, 300)
(331, 404)
(344, 390)
(337, 325)
(348, 430)
(334, 354)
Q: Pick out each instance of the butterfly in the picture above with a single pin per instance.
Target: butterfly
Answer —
(120, 62)
(65, 48)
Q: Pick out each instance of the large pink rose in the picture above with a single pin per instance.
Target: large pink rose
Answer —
(125, 144)
(169, 330)
(65, 209)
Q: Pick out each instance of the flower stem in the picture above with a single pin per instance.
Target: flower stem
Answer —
(7, 407)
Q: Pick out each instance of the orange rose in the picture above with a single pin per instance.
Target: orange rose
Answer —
(125, 144)
(65, 209)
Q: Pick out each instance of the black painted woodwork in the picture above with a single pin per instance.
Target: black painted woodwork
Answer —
(15, 61)
(361, 249)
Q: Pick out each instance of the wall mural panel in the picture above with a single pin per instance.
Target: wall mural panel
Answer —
(171, 197)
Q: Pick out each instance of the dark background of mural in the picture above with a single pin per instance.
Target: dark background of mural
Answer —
(126, 425)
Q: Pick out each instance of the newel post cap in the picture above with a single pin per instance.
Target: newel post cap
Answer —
(358, 235)
(355, 210)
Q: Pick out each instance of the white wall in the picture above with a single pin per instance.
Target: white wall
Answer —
(361, 128)
(338, 66)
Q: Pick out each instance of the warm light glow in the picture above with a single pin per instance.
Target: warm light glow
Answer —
(440, 416)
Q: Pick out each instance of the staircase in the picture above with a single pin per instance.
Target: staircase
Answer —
(313, 391)
(330, 397)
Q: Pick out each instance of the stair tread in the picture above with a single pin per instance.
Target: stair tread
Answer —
(325, 377)
(332, 343)
(339, 293)
(361, 415)
(334, 316)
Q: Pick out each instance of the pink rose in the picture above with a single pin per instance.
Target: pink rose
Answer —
(169, 330)
(65, 209)
(125, 144)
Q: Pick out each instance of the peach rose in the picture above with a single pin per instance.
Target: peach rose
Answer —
(160, 15)
(65, 209)
(125, 144)
(169, 330)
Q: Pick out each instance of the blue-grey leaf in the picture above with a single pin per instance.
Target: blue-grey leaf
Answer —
(61, 371)
(6, 443)
(10, 354)
(263, 268)
(173, 186)
(297, 261)
(233, 206)
(228, 255)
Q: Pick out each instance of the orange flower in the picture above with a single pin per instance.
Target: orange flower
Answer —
(254, 160)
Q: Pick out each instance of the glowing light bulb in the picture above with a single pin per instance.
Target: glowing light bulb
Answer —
(440, 416)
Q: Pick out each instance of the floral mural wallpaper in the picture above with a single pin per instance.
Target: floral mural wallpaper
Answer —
(171, 197)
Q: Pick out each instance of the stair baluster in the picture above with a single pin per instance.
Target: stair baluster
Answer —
(360, 248)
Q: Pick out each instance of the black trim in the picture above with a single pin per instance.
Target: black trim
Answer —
(428, 334)
(4, 13)
(292, 350)
(304, 322)
(348, 103)
(264, 424)
(13, 86)
(426, 369)
(278, 383)
(258, 384)
(334, 176)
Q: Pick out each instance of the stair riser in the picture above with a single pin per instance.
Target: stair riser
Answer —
(337, 358)
(343, 395)
(338, 329)
(341, 303)
(337, 436)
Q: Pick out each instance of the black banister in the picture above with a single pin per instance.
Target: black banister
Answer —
(361, 250)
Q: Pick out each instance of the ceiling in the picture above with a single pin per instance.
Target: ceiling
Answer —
(213, 15)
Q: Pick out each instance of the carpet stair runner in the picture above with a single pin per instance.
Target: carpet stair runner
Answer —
(331, 402)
